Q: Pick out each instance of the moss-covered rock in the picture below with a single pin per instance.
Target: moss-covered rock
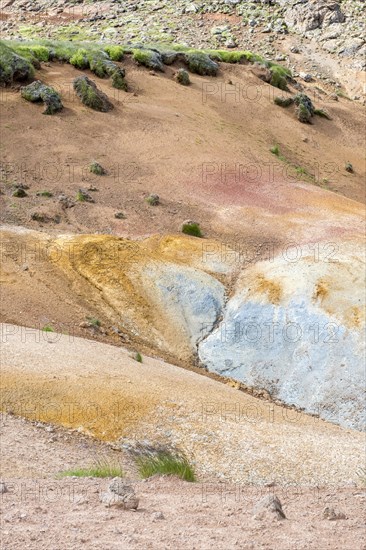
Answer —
(182, 77)
(170, 57)
(37, 91)
(150, 58)
(283, 101)
(90, 95)
(305, 108)
(202, 64)
(13, 67)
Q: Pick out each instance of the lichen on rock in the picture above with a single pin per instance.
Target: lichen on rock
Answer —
(37, 92)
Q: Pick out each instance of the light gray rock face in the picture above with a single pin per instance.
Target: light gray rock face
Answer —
(193, 300)
(310, 15)
(297, 330)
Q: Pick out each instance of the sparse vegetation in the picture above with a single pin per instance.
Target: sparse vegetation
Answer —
(275, 150)
(283, 101)
(322, 113)
(348, 167)
(103, 468)
(97, 169)
(116, 53)
(80, 59)
(153, 199)
(83, 196)
(47, 328)
(191, 228)
(361, 474)
(165, 463)
(94, 322)
(46, 194)
(138, 357)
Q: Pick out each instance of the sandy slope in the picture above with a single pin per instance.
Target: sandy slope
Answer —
(100, 390)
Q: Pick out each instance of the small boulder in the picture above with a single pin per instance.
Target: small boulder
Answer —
(156, 516)
(306, 77)
(37, 91)
(90, 95)
(120, 495)
(305, 108)
(331, 515)
(120, 216)
(202, 64)
(149, 58)
(269, 507)
(13, 67)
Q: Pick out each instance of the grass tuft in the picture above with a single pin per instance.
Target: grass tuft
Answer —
(192, 229)
(165, 463)
(101, 468)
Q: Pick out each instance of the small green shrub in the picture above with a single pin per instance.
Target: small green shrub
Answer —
(165, 463)
(278, 79)
(116, 53)
(47, 328)
(192, 228)
(83, 196)
(153, 199)
(42, 53)
(138, 357)
(348, 167)
(182, 77)
(97, 169)
(118, 80)
(80, 59)
(275, 150)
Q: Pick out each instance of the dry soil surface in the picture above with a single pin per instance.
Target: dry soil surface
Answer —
(42, 512)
